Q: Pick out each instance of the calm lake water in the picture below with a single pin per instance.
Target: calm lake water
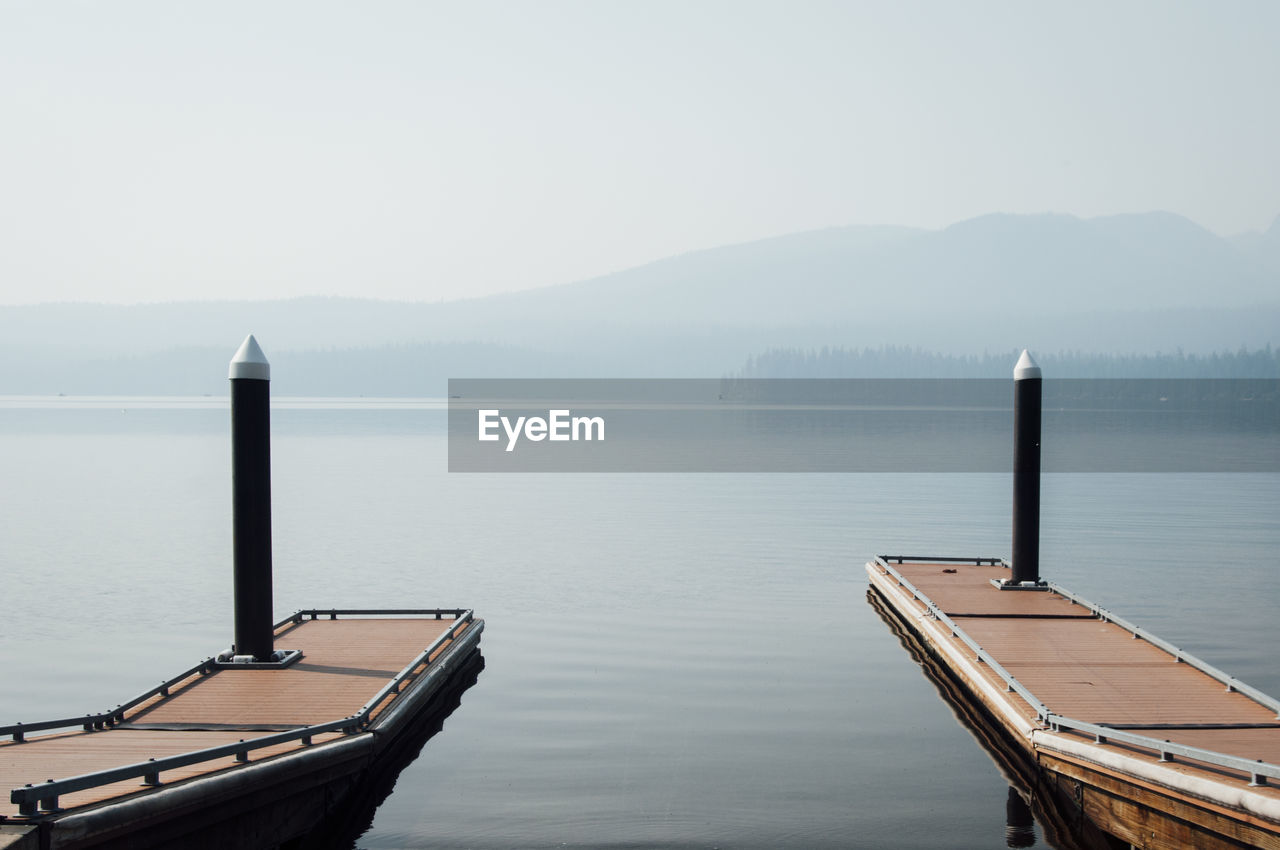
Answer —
(670, 659)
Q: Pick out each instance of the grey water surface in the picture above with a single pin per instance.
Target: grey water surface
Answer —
(684, 660)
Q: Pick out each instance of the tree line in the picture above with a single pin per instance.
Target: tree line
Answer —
(892, 361)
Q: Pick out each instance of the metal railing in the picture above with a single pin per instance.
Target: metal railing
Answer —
(1232, 683)
(1257, 770)
(463, 618)
(91, 722)
(941, 559)
(1012, 685)
(33, 799)
(335, 613)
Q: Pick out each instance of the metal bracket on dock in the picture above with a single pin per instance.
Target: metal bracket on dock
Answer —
(228, 660)
(1009, 584)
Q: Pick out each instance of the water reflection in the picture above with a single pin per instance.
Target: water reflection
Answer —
(346, 823)
(1032, 800)
(1019, 823)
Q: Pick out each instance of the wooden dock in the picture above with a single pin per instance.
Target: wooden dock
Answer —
(183, 764)
(1154, 746)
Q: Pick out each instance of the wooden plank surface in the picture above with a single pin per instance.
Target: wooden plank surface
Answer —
(345, 663)
(974, 596)
(72, 754)
(1246, 743)
(1097, 672)
(1090, 670)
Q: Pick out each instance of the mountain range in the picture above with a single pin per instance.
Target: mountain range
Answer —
(1127, 283)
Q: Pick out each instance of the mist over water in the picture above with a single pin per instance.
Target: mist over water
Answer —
(674, 659)
(395, 199)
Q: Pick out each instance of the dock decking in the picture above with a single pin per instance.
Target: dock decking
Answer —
(354, 671)
(1096, 699)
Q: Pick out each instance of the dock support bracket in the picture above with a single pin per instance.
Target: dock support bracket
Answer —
(152, 778)
(50, 803)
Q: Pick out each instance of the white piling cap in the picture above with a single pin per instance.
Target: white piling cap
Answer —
(1026, 368)
(250, 362)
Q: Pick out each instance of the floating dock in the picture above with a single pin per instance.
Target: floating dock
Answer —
(256, 747)
(1151, 744)
(230, 755)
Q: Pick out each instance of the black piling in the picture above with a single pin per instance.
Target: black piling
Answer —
(1027, 432)
(1027, 384)
(1019, 829)
(250, 375)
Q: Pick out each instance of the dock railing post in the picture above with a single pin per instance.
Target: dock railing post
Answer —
(1027, 384)
(250, 375)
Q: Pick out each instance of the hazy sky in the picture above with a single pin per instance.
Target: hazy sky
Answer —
(169, 151)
